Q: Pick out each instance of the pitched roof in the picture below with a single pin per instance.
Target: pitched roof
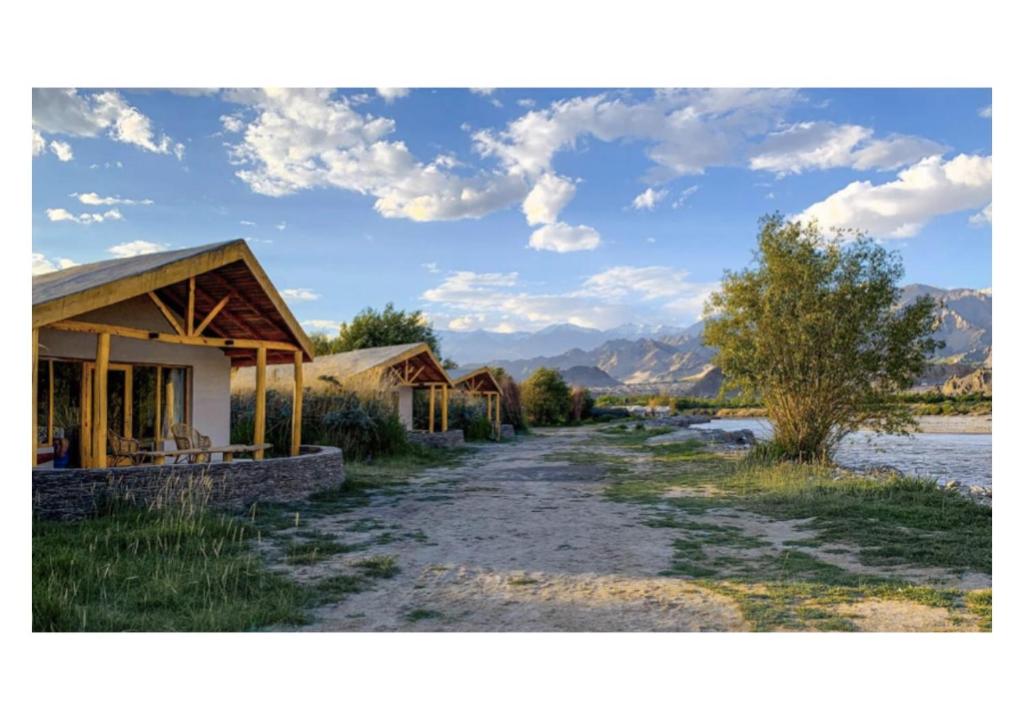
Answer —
(253, 310)
(481, 379)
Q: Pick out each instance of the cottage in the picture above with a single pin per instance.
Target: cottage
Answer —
(401, 369)
(128, 349)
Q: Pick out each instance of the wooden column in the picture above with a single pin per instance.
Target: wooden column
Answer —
(158, 438)
(297, 405)
(490, 413)
(191, 319)
(497, 415)
(444, 408)
(99, 401)
(35, 395)
(430, 418)
(260, 421)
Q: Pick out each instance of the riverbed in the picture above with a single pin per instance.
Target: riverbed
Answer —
(964, 455)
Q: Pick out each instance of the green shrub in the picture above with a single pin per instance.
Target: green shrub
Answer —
(546, 398)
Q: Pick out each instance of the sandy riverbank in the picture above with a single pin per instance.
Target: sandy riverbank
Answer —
(967, 424)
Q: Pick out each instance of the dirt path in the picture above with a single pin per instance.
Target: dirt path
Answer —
(516, 539)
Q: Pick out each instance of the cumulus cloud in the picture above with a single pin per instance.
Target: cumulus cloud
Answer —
(38, 143)
(549, 195)
(648, 199)
(42, 264)
(136, 247)
(62, 215)
(91, 198)
(619, 295)
(62, 150)
(66, 112)
(299, 294)
(562, 238)
(303, 139)
(392, 94)
(825, 145)
(902, 207)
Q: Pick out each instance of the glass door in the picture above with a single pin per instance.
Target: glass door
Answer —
(119, 404)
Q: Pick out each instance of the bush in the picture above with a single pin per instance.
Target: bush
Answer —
(581, 404)
(362, 425)
(469, 414)
(546, 398)
(512, 412)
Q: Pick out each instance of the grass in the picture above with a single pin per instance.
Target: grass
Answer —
(312, 548)
(418, 614)
(379, 566)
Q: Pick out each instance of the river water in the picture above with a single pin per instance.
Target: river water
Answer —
(942, 456)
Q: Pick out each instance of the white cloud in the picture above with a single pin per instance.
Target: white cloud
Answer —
(616, 296)
(38, 143)
(482, 91)
(91, 198)
(685, 195)
(824, 145)
(249, 223)
(66, 112)
(985, 112)
(984, 217)
(526, 102)
(299, 294)
(281, 225)
(303, 139)
(902, 207)
(136, 247)
(62, 150)
(563, 238)
(392, 94)
(431, 267)
(232, 123)
(649, 198)
(322, 325)
(62, 215)
(42, 264)
(549, 195)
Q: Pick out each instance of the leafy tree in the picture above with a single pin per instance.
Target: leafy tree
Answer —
(378, 328)
(546, 398)
(813, 327)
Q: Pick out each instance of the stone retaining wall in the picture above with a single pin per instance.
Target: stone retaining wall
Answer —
(443, 440)
(76, 493)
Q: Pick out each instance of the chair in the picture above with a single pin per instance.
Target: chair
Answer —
(123, 451)
(187, 437)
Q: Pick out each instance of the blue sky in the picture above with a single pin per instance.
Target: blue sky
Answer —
(510, 209)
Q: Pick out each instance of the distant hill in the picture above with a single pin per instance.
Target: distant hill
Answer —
(677, 361)
(583, 376)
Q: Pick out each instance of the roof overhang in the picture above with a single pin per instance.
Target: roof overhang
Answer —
(479, 380)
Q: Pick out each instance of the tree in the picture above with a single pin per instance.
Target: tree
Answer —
(581, 404)
(813, 327)
(546, 397)
(378, 328)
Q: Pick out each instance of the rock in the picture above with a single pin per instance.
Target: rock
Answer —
(730, 437)
(980, 490)
(952, 485)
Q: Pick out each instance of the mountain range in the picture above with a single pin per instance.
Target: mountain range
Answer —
(673, 359)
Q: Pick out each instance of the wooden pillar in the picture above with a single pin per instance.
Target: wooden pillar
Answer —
(430, 418)
(297, 405)
(444, 408)
(490, 413)
(99, 401)
(191, 320)
(497, 415)
(260, 421)
(35, 395)
(157, 425)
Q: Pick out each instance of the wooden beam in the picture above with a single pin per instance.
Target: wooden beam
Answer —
(444, 408)
(35, 395)
(168, 315)
(297, 405)
(135, 333)
(430, 419)
(99, 401)
(260, 421)
(212, 314)
(190, 318)
(158, 411)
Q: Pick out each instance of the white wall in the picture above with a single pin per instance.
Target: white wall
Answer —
(405, 406)
(211, 368)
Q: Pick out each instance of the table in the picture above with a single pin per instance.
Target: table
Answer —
(227, 452)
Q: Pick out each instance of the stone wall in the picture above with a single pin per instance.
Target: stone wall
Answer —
(443, 440)
(76, 493)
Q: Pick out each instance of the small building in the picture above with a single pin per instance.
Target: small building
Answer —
(482, 383)
(135, 345)
(401, 368)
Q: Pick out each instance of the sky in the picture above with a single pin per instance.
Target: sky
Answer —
(510, 209)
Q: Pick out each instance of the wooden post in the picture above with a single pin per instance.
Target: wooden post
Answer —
(99, 401)
(158, 440)
(444, 408)
(430, 418)
(260, 422)
(490, 414)
(497, 415)
(297, 405)
(49, 402)
(191, 320)
(35, 395)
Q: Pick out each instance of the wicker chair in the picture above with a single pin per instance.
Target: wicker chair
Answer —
(123, 451)
(187, 437)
